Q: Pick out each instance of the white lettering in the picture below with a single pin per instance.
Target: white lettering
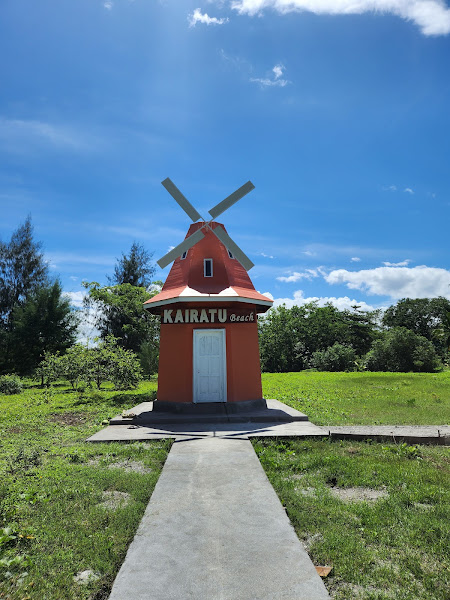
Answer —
(205, 315)
(222, 314)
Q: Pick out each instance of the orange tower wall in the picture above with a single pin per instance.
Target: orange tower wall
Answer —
(175, 378)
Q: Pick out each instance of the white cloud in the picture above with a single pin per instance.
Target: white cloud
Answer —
(396, 282)
(276, 80)
(266, 255)
(341, 303)
(308, 274)
(108, 5)
(404, 263)
(355, 259)
(75, 298)
(309, 253)
(198, 17)
(409, 190)
(431, 16)
(389, 188)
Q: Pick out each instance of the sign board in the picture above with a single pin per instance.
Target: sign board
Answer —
(208, 315)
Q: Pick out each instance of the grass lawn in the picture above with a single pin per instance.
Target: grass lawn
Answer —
(364, 398)
(396, 546)
(67, 506)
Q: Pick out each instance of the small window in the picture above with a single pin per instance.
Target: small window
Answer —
(208, 267)
(230, 254)
(183, 256)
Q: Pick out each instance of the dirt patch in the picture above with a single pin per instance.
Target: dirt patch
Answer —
(310, 540)
(115, 499)
(309, 491)
(358, 494)
(86, 577)
(423, 506)
(15, 430)
(68, 418)
(131, 465)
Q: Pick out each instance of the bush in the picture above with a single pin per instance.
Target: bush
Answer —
(335, 358)
(10, 384)
(401, 350)
(83, 366)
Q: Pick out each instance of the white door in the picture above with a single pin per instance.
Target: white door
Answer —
(210, 382)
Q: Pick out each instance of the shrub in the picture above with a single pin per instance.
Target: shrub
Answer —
(10, 384)
(83, 366)
(401, 350)
(335, 358)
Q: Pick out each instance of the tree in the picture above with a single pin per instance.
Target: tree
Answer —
(45, 322)
(121, 314)
(22, 269)
(401, 350)
(423, 316)
(335, 358)
(289, 337)
(280, 330)
(83, 366)
(136, 269)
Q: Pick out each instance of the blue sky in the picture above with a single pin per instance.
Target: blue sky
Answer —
(337, 111)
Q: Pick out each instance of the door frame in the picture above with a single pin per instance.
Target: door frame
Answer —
(222, 331)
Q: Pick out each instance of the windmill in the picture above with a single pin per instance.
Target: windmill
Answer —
(208, 308)
(194, 215)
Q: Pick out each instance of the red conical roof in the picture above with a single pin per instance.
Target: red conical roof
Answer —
(229, 282)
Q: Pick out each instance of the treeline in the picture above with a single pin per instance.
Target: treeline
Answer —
(38, 326)
(37, 321)
(412, 335)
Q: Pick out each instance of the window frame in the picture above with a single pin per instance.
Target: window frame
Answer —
(208, 261)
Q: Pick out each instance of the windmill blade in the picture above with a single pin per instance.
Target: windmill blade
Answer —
(181, 200)
(232, 199)
(183, 247)
(233, 248)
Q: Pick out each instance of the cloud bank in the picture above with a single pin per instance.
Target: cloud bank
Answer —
(342, 303)
(395, 282)
(431, 16)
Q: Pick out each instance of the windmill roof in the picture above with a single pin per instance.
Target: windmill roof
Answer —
(186, 281)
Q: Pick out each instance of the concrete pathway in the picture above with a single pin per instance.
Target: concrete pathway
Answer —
(215, 529)
(412, 434)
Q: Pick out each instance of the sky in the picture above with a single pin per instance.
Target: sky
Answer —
(336, 110)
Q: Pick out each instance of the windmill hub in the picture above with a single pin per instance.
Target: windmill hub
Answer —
(208, 306)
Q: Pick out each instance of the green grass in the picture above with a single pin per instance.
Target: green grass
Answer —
(53, 523)
(397, 546)
(364, 398)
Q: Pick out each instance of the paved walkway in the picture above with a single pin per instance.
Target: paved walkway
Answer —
(215, 529)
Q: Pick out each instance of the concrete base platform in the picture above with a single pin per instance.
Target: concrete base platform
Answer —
(215, 529)
(277, 420)
(270, 411)
(138, 433)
